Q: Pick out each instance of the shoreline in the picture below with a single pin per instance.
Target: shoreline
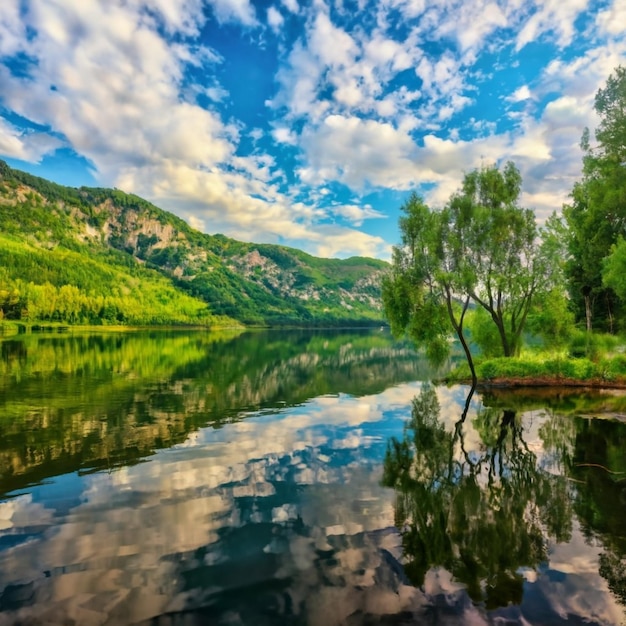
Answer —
(547, 383)
(11, 328)
(537, 382)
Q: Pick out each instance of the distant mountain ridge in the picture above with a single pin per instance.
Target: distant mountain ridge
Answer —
(116, 247)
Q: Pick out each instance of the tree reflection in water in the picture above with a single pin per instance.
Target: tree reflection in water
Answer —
(483, 514)
(598, 465)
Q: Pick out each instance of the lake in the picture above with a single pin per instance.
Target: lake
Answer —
(298, 477)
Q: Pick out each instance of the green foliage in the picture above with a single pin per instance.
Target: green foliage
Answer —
(610, 106)
(484, 334)
(582, 344)
(614, 268)
(551, 319)
(65, 286)
(417, 297)
(613, 368)
(596, 216)
(501, 264)
(510, 368)
(483, 248)
(591, 345)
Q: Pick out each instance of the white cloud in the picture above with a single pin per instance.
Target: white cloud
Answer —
(12, 28)
(333, 241)
(237, 11)
(612, 20)
(352, 69)
(247, 203)
(479, 24)
(112, 81)
(443, 85)
(299, 81)
(357, 152)
(11, 142)
(551, 16)
(183, 16)
(256, 134)
(114, 76)
(333, 46)
(26, 146)
(216, 93)
(469, 23)
(520, 95)
(356, 214)
(275, 18)
(290, 5)
(384, 52)
(282, 134)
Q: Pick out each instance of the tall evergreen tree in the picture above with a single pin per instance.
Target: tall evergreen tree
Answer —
(596, 216)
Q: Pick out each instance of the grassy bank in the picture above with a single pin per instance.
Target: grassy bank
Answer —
(543, 369)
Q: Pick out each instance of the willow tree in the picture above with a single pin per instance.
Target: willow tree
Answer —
(424, 295)
(480, 250)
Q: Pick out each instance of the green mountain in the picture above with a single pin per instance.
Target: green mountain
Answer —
(93, 255)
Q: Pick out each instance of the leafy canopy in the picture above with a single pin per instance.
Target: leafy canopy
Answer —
(481, 249)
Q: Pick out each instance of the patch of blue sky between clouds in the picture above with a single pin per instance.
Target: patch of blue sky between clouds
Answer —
(303, 123)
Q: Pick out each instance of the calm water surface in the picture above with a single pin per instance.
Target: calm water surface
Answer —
(297, 478)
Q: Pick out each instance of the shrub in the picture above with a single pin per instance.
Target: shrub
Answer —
(615, 367)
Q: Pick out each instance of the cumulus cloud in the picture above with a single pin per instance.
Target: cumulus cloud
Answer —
(551, 16)
(23, 145)
(290, 5)
(357, 214)
(612, 19)
(468, 23)
(353, 69)
(520, 94)
(275, 18)
(380, 101)
(357, 152)
(248, 203)
(237, 11)
(12, 29)
(282, 134)
(114, 76)
(333, 241)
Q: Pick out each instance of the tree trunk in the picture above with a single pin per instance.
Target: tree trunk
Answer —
(608, 310)
(468, 355)
(458, 327)
(507, 349)
(588, 312)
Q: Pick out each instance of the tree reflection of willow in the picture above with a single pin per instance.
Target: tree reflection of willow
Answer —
(481, 514)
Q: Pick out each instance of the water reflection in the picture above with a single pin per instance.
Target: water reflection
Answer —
(493, 513)
(104, 401)
(191, 479)
(279, 515)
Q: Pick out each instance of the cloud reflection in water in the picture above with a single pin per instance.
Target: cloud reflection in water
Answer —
(279, 518)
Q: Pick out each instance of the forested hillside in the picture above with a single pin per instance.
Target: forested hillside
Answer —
(94, 256)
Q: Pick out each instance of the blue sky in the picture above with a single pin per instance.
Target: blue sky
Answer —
(303, 123)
